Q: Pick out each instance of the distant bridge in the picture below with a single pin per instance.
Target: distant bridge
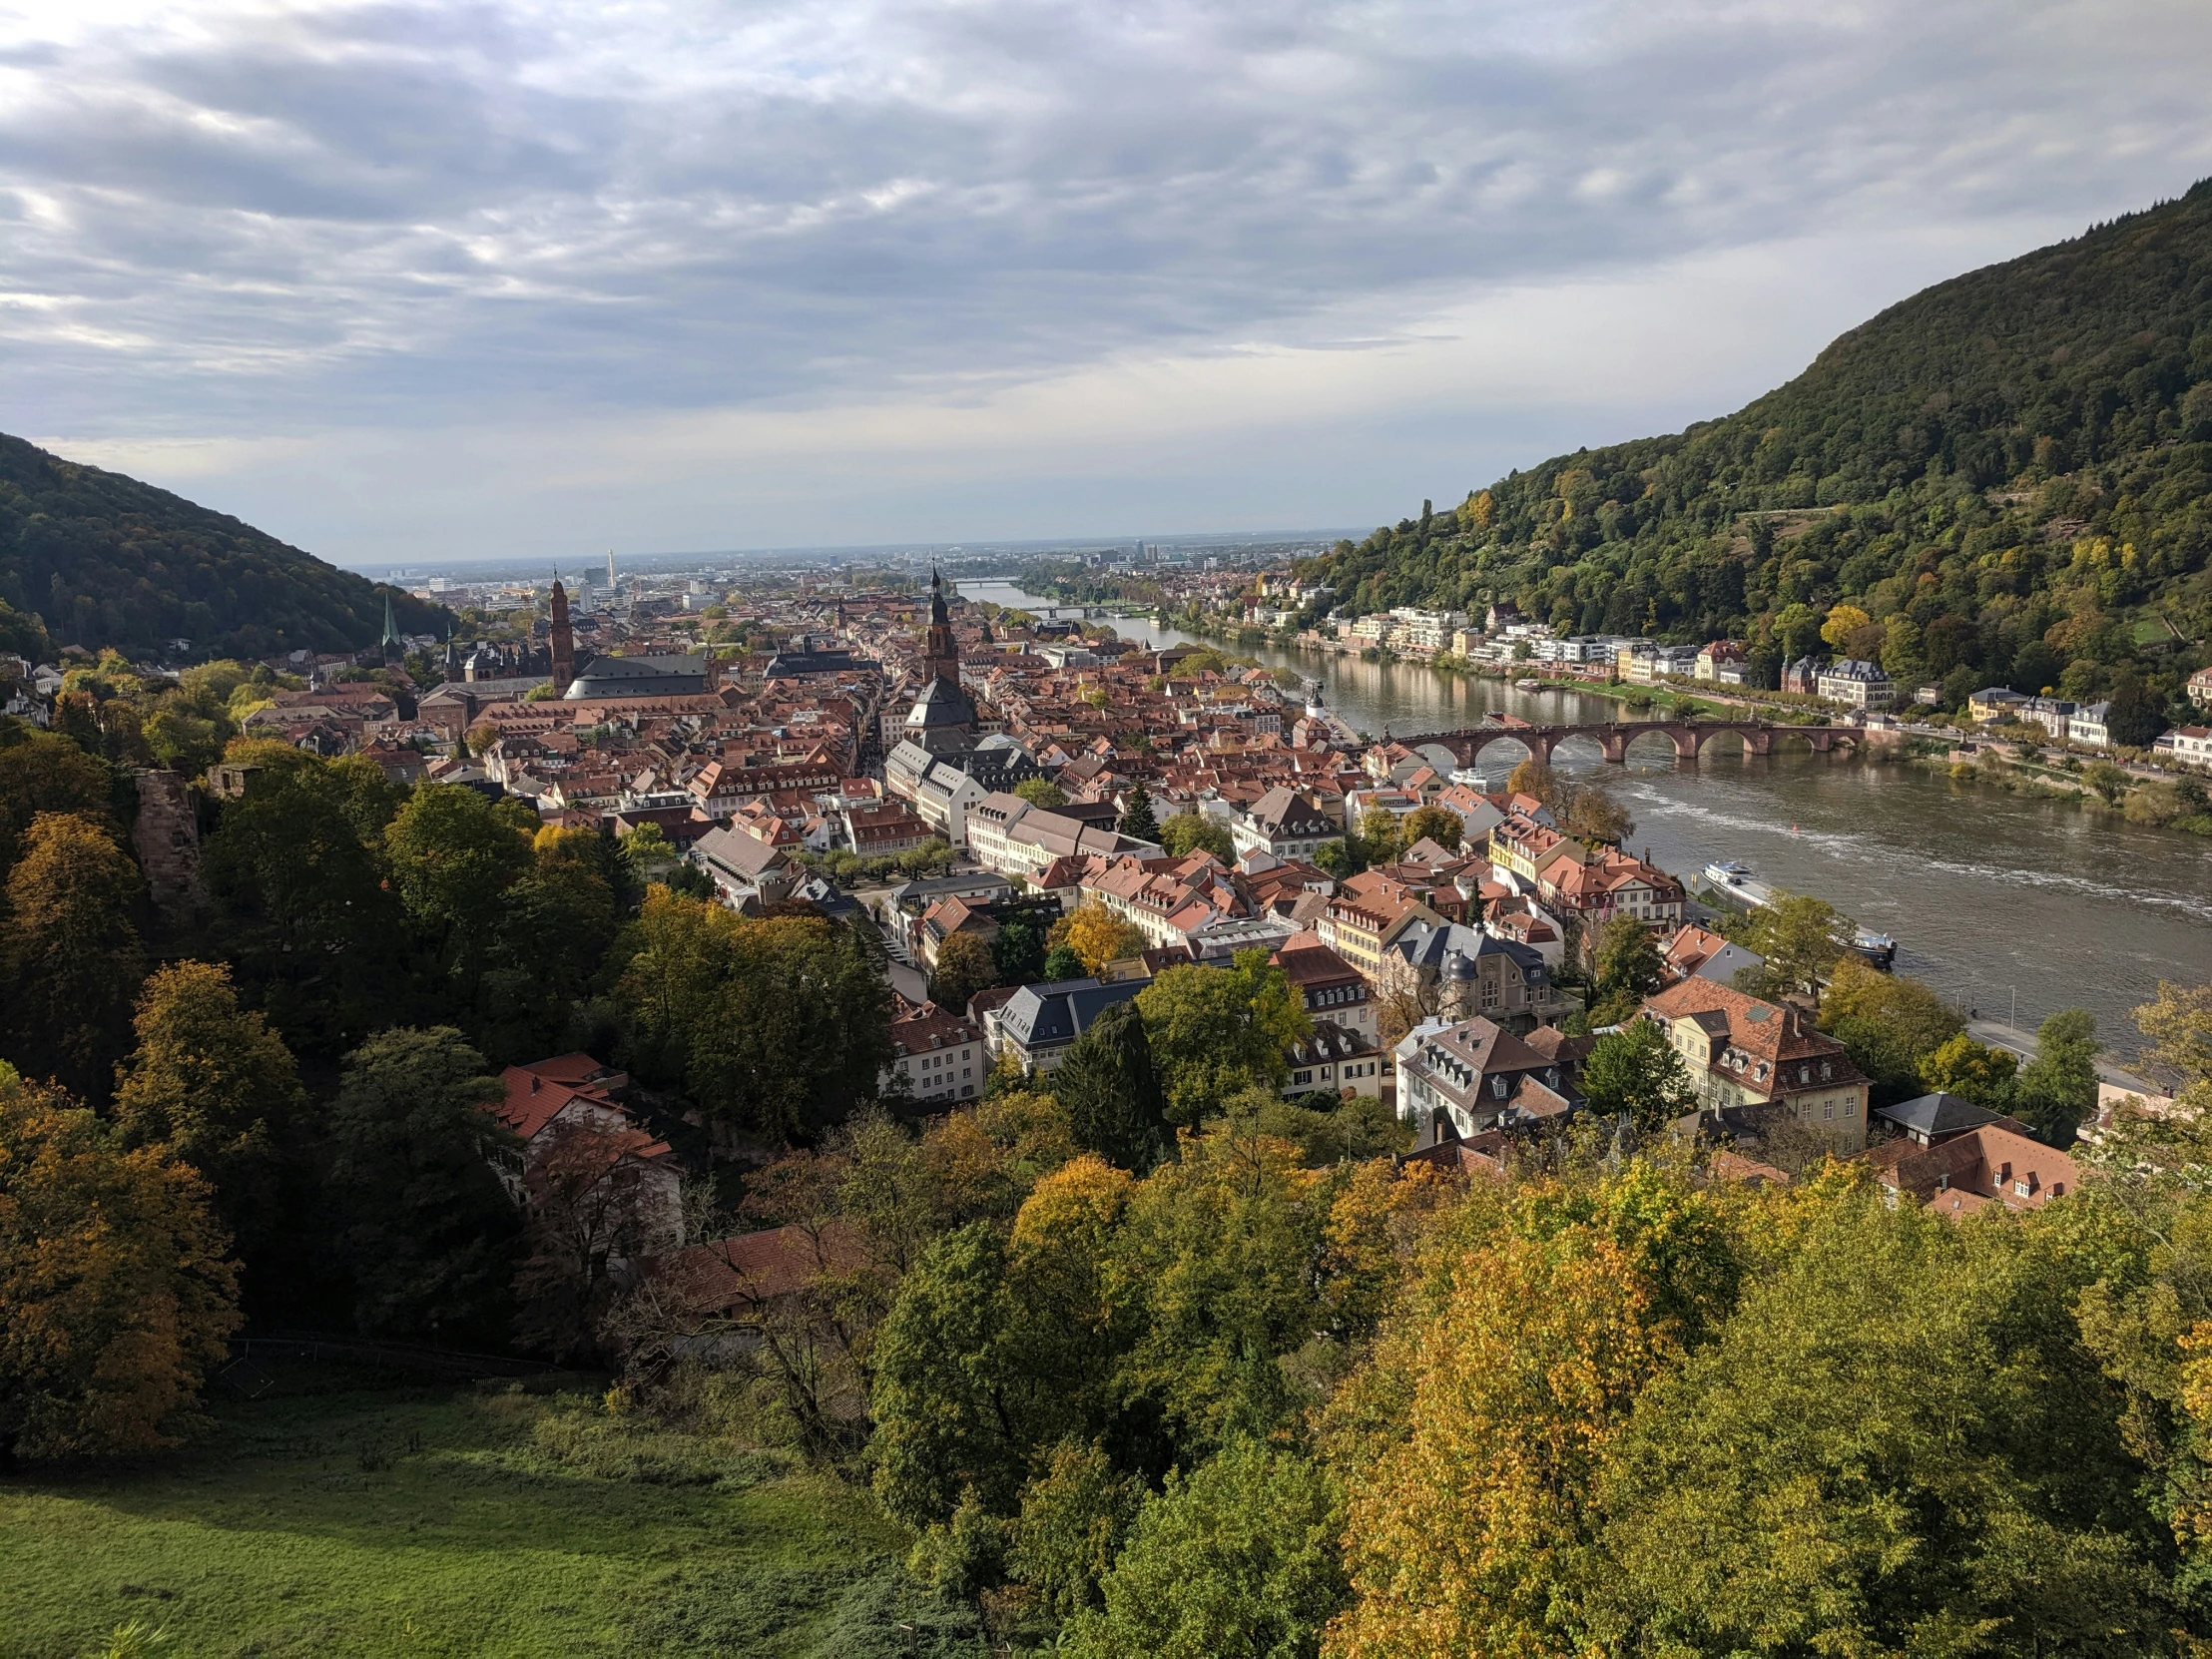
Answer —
(1613, 737)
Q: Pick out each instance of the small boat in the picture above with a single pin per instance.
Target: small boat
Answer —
(1529, 685)
(1734, 881)
(1875, 950)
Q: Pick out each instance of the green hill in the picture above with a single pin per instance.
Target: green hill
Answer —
(104, 560)
(2010, 473)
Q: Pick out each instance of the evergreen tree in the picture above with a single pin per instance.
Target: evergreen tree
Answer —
(429, 1231)
(1110, 1095)
(1137, 820)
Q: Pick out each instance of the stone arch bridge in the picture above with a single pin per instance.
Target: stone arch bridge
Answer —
(1614, 736)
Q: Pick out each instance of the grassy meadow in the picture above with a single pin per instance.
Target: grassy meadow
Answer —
(374, 1521)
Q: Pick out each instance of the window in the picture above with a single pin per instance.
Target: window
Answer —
(2020, 1189)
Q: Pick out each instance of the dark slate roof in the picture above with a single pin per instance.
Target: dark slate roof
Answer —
(1937, 1116)
(1055, 1014)
(639, 676)
(1429, 945)
(941, 703)
(793, 665)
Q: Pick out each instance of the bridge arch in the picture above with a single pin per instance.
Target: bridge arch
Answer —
(1582, 745)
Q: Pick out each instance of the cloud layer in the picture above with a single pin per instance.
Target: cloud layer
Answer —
(359, 229)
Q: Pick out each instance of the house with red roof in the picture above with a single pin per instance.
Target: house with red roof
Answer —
(570, 1103)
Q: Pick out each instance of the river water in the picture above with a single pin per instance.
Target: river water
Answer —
(2005, 903)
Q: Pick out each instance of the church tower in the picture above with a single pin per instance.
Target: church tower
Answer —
(940, 657)
(942, 719)
(564, 640)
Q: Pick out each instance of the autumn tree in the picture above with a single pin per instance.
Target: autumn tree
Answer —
(1798, 938)
(1842, 622)
(1971, 1070)
(116, 1294)
(1535, 777)
(1381, 835)
(1887, 1024)
(211, 1082)
(964, 966)
(1436, 823)
(1098, 937)
(1192, 831)
(1215, 1031)
(1787, 1488)
(70, 952)
(427, 1229)
(1473, 1439)
(40, 772)
(1594, 817)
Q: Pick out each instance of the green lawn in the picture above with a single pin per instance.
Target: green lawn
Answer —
(456, 1523)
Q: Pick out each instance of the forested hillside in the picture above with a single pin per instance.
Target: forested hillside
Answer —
(104, 560)
(2010, 473)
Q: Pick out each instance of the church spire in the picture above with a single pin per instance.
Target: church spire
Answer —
(940, 657)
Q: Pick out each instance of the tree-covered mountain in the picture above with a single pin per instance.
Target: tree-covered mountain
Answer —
(103, 560)
(2010, 473)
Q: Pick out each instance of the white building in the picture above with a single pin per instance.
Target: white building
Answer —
(2190, 745)
(1862, 685)
(2088, 726)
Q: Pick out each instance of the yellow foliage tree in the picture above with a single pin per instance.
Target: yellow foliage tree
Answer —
(1099, 937)
(115, 1295)
(1512, 1386)
(1842, 622)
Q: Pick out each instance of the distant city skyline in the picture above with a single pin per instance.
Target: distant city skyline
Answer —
(523, 278)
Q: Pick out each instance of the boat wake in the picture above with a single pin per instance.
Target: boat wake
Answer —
(1859, 849)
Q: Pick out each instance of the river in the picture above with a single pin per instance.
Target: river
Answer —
(2008, 904)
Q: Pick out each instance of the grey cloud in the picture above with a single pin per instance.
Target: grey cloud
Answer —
(417, 216)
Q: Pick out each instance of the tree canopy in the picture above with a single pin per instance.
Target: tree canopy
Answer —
(104, 560)
(1992, 479)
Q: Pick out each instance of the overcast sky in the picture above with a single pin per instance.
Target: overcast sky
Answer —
(430, 282)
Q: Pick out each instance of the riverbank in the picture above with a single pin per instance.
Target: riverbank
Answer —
(2149, 802)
